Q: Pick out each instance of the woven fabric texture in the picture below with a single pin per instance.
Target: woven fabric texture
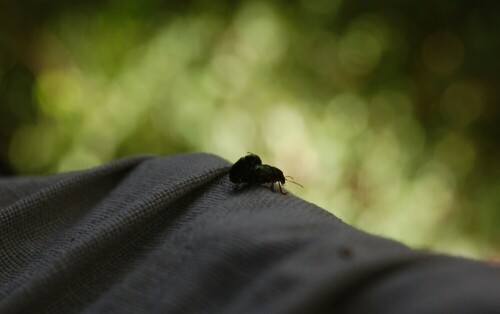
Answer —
(170, 235)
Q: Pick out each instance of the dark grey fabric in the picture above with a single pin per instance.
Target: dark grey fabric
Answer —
(170, 235)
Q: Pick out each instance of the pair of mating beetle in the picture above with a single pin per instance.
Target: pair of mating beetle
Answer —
(249, 169)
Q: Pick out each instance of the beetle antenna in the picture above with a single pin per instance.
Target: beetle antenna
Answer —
(293, 181)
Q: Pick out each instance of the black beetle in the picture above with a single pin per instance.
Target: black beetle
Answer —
(249, 169)
(242, 170)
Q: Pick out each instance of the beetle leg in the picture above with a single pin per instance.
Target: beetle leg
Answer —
(272, 186)
(284, 193)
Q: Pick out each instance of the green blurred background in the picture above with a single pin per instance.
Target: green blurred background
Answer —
(386, 111)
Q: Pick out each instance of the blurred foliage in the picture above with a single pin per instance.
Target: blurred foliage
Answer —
(387, 112)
